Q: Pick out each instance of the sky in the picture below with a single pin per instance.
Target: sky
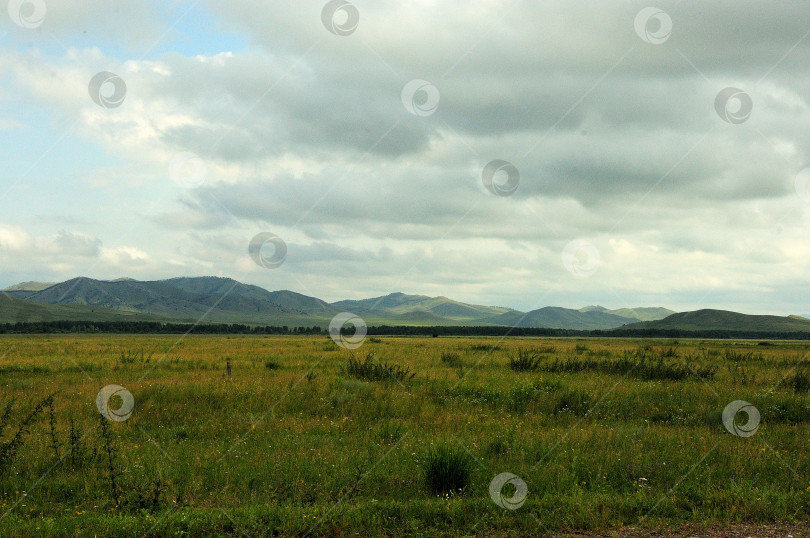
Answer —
(512, 153)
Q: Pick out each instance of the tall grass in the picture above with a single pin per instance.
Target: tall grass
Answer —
(526, 361)
(447, 469)
(638, 365)
(371, 369)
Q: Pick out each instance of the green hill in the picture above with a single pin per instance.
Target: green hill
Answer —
(13, 310)
(224, 300)
(724, 320)
(640, 313)
(553, 317)
(29, 286)
(212, 299)
(396, 305)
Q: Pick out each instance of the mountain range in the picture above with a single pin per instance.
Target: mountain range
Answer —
(224, 300)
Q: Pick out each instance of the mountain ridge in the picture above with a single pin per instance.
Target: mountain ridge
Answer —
(225, 300)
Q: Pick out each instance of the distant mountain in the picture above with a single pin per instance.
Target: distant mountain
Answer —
(399, 304)
(725, 320)
(554, 317)
(224, 300)
(13, 310)
(190, 299)
(29, 286)
(640, 314)
(24, 289)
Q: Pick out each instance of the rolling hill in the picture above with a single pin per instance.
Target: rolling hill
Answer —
(554, 317)
(24, 289)
(641, 313)
(190, 299)
(13, 310)
(224, 300)
(397, 305)
(724, 320)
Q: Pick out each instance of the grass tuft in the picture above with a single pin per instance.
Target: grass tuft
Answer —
(371, 369)
(447, 469)
(526, 361)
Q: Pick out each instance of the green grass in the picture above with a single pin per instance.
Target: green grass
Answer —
(447, 469)
(620, 433)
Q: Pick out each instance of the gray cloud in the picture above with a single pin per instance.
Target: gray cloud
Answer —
(304, 133)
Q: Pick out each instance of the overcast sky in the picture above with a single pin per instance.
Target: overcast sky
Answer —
(513, 153)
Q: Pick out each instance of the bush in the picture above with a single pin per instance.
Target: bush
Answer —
(272, 364)
(370, 369)
(526, 361)
(447, 469)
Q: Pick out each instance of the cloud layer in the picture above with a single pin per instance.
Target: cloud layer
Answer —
(612, 121)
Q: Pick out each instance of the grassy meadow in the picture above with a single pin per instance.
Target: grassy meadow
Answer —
(401, 436)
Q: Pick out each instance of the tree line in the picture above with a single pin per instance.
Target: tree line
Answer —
(156, 327)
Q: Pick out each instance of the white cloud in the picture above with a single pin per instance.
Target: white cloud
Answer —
(304, 134)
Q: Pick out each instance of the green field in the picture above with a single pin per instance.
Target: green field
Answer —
(308, 438)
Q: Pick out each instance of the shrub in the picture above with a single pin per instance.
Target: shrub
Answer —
(447, 469)
(271, 364)
(370, 369)
(526, 361)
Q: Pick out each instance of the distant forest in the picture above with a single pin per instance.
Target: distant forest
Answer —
(151, 327)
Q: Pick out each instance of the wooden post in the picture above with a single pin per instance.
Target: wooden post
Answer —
(229, 366)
